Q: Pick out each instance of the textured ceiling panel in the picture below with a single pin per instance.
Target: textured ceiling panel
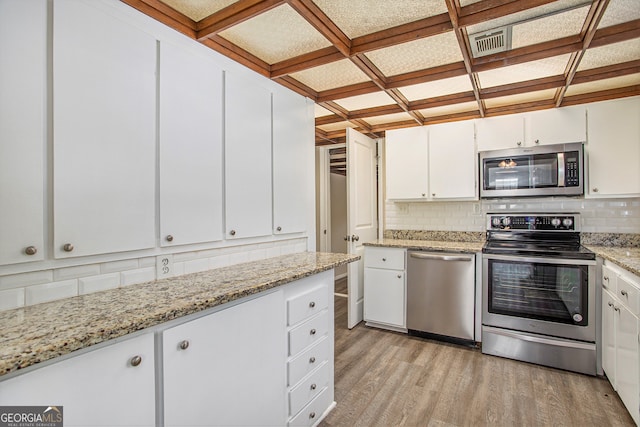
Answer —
(388, 118)
(619, 11)
(198, 9)
(319, 111)
(360, 102)
(268, 36)
(359, 17)
(526, 15)
(449, 109)
(540, 95)
(610, 54)
(416, 55)
(336, 126)
(550, 27)
(598, 85)
(522, 72)
(330, 76)
(437, 88)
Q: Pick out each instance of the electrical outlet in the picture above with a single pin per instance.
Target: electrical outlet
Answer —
(164, 266)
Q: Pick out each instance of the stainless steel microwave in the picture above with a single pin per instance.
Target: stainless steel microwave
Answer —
(546, 170)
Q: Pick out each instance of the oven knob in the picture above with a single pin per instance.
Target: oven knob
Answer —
(555, 222)
(495, 221)
(577, 317)
(567, 222)
(506, 220)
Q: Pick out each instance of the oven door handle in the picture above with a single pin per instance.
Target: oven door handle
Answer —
(538, 260)
(539, 340)
(419, 255)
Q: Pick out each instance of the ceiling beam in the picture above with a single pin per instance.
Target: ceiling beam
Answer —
(428, 75)
(607, 72)
(439, 101)
(616, 33)
(230, 50)
(603, 95)
(523, 87)
(321, 22)
(347, 91)
(233, 14)
(166, 15)
(297, 86)
(308, 60)
(490, 9)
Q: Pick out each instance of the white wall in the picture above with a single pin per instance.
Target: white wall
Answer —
(598, 216)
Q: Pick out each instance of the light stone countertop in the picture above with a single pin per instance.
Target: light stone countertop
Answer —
(430, 245)
(41, 332)
(626, 257)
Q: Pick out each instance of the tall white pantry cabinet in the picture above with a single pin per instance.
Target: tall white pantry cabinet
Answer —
(120, 137)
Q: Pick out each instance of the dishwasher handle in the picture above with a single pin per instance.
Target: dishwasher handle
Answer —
(419, 255)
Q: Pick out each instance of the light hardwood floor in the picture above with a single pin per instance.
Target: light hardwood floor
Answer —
(390, 379)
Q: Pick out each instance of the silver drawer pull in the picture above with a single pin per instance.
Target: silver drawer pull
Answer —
(441, 257)
(312, 360)
(184, 345)
(623, 292)
(610, 304)
(312, 415)
(312, 332)
(312, 304)
(313, 386)
(384, 259)
(135, 361)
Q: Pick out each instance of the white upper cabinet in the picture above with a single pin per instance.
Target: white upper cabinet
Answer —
(23, 32)
(247, 158)
(557, 126)
(496, 133)
(190, 133)
(104, 121)
(452, 161)
(613, 148)
(406, 158)
(293, 141)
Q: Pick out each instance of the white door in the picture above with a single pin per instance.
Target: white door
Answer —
(362, 216)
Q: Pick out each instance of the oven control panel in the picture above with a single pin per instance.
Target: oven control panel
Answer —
(537, 222)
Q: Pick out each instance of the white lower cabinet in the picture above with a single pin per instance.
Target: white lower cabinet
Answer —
(226, 368)
(110, 386)
(385, 288)
(621, 335)
(310, 350)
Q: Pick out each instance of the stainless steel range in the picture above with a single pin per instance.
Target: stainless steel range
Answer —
(539, 291)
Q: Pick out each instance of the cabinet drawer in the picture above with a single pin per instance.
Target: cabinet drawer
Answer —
(628, 294)
(308, 333)
(307, 361)
(307, 304)
(313, 411)
(609, 279)
(388, 258)
(309, 388)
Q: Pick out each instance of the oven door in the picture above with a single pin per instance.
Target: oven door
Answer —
(547, 296)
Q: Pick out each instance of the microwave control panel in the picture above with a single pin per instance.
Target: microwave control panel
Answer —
(571, 170)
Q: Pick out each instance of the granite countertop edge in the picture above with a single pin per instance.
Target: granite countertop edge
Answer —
(429, 245)
(40, 333)
(625, 257)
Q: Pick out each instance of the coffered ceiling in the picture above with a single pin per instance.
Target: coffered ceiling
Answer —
(375, 65)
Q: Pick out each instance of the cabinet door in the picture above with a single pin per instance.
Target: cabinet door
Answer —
(613, 148)
(609, 337)
(557, 126)
(384, 300)
(190, 147)
(98, 388)
(23, 41)
(406, 160)
(247, 158)
(627, 370)
(104, 132)
(293, 142)
(452, 161)
(233, 370)
(495, 133)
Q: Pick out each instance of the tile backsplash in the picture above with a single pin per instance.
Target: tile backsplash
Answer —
(598, 215)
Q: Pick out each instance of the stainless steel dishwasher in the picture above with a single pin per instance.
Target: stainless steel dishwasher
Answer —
(441, 295)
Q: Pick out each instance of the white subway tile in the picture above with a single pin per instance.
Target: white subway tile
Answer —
(102, 282)
(238, 258)
(178, 268)
(117, 266)
(275, 251)
(11, 298)
(147, 262)
(208, 253)
(75, 272)
(26, 279)
(196, 265)
(257, 254)
(139, 275)
(219, 261)
(51, 291)
(185, 256)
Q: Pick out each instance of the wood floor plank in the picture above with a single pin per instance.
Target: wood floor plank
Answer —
(389, 379)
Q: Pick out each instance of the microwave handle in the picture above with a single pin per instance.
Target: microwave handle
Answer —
(561, 166)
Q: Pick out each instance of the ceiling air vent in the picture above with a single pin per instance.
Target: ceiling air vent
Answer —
(492, 41)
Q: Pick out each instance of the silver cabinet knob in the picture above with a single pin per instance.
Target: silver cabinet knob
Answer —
(312, 332)
(595, 189)
(610, 304)
(232, 232)
(519, 143)
(537, 141)
(279, 228)
(433, 194)
(184, 345)
(68, 247)
(313, 387)
(399, 276)
(623, 292)
(606, 278)
(355, 237)
(312, 415)
(30, 250)
(312, 359)
(616, 308)
(135, 360)
(384, 259)
(169, 238)
(424, 194)
(312, 304)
